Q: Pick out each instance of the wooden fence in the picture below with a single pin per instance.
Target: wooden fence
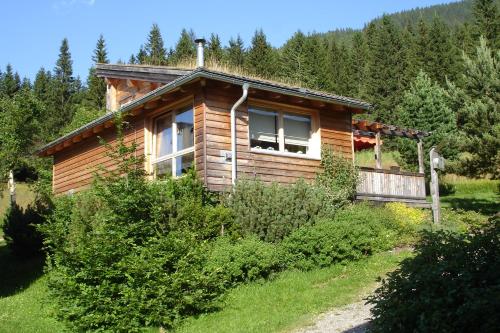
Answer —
(392, 185)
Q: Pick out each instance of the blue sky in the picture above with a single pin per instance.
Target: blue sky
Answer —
(31, 31)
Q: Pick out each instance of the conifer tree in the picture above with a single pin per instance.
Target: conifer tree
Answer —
(64, 89)
(385, 69)
(10, 83)
(293, 57)
(43, 84)
(154, 47)
(236, 52)
(141, 58)
(487, 21)
(214, 49)
(96, 94)
(185, 50)
(425, 106)
(442, 55)
(356, 64)
(476, 100)
(261, 57)
(132, 60)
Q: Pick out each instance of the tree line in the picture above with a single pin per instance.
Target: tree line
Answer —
(431, 75)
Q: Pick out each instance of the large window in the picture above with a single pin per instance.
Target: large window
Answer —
(173, 143)
(280, 131)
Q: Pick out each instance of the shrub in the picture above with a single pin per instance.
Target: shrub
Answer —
(339, 177)
(272, 211)
(409, 220)
(357, 231)
(461, 220)
(451, 285)
(243, 260)
(129, 253)
(20, 229)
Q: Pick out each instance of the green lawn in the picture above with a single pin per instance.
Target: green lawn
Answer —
(24, 303)
(366, 158)
(480, 195)
(294, 298)
(24, 196)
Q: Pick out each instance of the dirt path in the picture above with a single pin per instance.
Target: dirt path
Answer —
(353, 318)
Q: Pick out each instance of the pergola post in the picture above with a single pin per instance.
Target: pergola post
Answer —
(378, 151)
(420, 150)
(12, 188)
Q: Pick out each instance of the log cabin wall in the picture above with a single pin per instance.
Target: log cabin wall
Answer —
(75, 165)
(334, 129)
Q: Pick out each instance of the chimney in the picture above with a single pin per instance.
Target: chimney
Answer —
(200, 45)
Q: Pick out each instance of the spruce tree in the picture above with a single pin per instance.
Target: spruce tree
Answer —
(487, 22)
(132, 60)
(214, 49)
(96, 93)
(141, 58)
(442, 54)
(236, 52)
(154, 47)
(476, 100)
(356, 64)
(292, 61)
(425, 106)
(64, 89)
(185, 50)
(261, 57)
(385, 69)
(10, 83)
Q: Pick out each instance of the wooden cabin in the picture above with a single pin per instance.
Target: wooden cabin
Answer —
(182, 118)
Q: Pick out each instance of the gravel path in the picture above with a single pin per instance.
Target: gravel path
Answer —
(353, 318)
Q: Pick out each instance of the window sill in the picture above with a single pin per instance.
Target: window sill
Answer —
(285, 154)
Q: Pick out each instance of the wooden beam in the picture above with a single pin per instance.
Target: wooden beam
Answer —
(98, 128)
(109, 124)
(77, 138)
(151, 105)
(420, 150)
(378, 151)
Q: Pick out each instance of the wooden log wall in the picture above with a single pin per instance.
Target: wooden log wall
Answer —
(335, 130)
(74, 167)
(122, 91)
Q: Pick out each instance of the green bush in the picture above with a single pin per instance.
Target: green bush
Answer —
(272, 211)
(129, 253)
(357, 231)
(451, 285)
(20, 229)
(461, 220)
(243, 260)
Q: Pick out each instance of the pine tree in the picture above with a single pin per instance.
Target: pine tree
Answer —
(65, 87)
(425, 106)
(476, 99)
(42, 84)
(154, 48)
(356, 65)
(96, 93)
(261, 57)
(292, 61)
(236, 52)
(487, 22)
(132, 60)
(142, 56)
(214, 49)
(10, 83)
(185, 50)
(316, 63)
(442, 54)
(385, 69)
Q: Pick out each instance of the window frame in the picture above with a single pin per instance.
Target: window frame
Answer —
(314, 143)
(175, 153)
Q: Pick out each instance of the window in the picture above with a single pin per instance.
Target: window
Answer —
(173, 143)
(281, 131)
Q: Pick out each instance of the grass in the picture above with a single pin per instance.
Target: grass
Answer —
(366, 158)
(24, 302)
(480, 195)
(294, 298)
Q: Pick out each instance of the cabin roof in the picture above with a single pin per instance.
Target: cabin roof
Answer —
(178, 77)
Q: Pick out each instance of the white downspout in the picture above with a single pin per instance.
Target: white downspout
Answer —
(233, 131)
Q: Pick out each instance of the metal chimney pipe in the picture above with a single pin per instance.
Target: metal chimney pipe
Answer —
(200, 46)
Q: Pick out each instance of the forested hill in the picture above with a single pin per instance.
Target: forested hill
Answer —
(452, 14)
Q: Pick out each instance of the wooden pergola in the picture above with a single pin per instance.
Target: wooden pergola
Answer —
(372, 129)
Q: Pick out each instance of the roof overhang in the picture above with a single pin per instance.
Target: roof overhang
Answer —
(367, 128)
(201, 73)
(140, 72)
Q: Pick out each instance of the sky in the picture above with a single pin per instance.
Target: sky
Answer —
(31, 31)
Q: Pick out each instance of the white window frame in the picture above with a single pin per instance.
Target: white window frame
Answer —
(175, 153)
(314, 144)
